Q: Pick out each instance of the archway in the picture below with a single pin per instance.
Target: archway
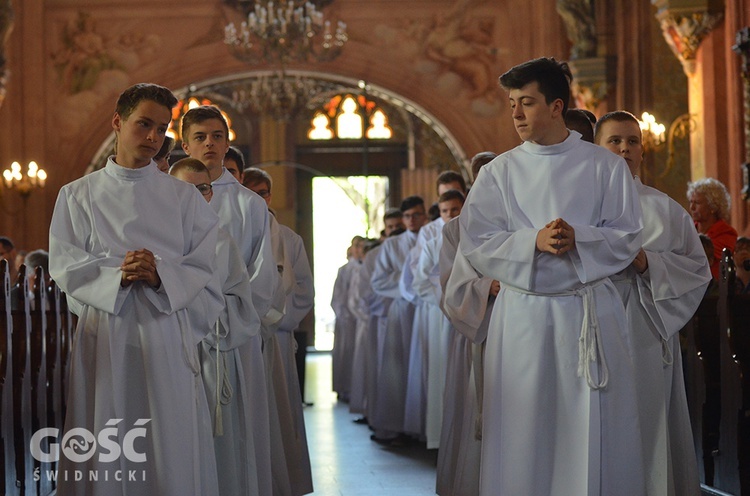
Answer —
(222, 86)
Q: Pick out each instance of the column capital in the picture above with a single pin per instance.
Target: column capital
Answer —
(685, 24)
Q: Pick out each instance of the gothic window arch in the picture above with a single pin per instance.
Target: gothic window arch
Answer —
(348, 116)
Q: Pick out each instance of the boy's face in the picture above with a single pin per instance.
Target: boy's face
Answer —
(231, 166)
(534, 119)
(359, 249)
(163, 163)
(442, 188)
(140, 136)
(414, 218)
(450, 209)
(392, 224)
(207, 141)
(200, 180)
(262, 189)
(623, 139)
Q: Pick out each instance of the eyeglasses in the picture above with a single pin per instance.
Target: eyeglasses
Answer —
(204, 188)
(263, 193)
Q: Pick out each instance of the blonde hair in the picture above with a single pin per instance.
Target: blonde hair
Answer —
(716, 195)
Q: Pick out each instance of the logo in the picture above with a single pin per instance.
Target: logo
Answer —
(80, 444)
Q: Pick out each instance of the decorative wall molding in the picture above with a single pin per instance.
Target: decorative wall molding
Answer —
(590, 82)
(6, 26)
(684, 29)
(742, 48)
(580, 24)
(452, 50)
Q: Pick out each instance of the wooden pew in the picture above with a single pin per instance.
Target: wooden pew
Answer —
(33, 343)
(69, 322)
(7, 447)
(734, 314)
(39, 384)
(706, 392)
(22, 384)
(55, 323)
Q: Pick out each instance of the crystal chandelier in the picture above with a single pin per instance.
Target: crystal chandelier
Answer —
(279, 95)
(285, 32)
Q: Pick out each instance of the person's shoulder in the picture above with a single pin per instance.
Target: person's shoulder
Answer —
(236, 190)
(182, 189)
(392, 241)
(660, 203)
(600, 157)
(503, 159)
(433, 228)
(596, 152)
(83, 183)
(289, 233)
(722, 227)
(452, 226)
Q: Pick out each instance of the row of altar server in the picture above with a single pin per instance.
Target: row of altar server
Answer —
(603, 412)
(187, 292)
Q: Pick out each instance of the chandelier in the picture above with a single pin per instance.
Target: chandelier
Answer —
(278, 95)
(653, 131)
(24, 183)
(285, 32)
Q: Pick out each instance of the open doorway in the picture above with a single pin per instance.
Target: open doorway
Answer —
(343, 207)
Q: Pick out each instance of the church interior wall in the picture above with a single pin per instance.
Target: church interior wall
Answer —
(69, 60)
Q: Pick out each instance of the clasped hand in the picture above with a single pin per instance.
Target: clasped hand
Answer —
(557, 238)
(139, 265)
(640, 262)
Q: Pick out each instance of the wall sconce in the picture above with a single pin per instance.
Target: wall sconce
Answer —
(653, 131)
(654, 135)
(24, 183)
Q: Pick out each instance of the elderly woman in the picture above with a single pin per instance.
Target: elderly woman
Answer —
(709, 207)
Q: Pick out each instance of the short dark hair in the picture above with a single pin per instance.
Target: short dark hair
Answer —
(452, 194)
(580, 120)
(235, 154)
(166, 148)
(433, 212)
(553, 78)
(615, 116)
(392, 213)
(253, 175)
(200, 114)
(131, 97)
(410, 202)
(188, 164)
(480, 160)
(449, 176)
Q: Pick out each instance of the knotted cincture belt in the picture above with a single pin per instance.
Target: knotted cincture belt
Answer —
(590, 348)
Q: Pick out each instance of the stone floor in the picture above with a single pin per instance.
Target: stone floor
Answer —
(344, 460)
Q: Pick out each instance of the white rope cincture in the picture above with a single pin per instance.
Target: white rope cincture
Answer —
(218, 421)
(590, 347)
